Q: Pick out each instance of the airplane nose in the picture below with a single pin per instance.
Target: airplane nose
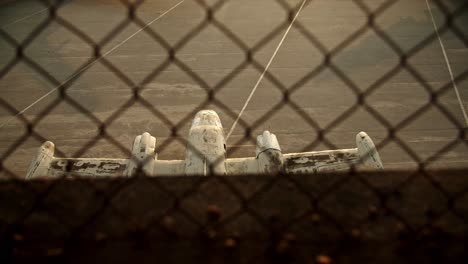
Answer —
(207, 118)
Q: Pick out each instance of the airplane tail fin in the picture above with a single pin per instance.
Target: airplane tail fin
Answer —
(367, 151)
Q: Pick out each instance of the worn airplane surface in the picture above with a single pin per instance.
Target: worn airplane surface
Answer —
(205, 155)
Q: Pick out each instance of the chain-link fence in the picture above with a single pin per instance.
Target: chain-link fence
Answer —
(402, 80)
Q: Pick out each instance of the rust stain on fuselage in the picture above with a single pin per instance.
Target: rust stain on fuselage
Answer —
(319, 161)
(77, 165)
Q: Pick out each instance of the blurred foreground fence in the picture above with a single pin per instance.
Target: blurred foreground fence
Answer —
(328, 218)
(386, 217)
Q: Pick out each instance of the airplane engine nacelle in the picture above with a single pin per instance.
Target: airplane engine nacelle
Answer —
(143, 154)
(367, 152)
(40, 166)
(268, 152)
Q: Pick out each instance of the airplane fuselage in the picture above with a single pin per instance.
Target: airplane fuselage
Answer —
(206, 146)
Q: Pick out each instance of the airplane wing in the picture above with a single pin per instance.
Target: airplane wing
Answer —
(305, 162)
(320, 161)
(268, 160)
(242, 166)
(46, 165)
(364, 156)
(58, 167)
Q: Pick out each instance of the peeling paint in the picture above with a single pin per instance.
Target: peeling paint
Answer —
(89, 166)
(206, 155)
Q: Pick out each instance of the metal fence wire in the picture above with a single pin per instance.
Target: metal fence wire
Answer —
(417, 215)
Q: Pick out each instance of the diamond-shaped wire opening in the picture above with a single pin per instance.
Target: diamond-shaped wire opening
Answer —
(206, 196)
(14, 210)
(72, 212)
(398, 97)
(226, 10)
(352, 194)
(316, 224)
(418, 210)
(296, 203)
(417, 138)
(136, 53)
(210, 54)
(107, 15)
(54, 51)
(366, 59)
(41, 17)
(17, 155)
(124, 202)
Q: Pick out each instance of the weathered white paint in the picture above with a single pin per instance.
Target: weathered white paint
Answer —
(87, 167)
(367, 151)
(206, 149)
(242, 166)
(41, 164)
(168, 167)
(320, 161)
(143, 154)
(268, 153)
(205, 155)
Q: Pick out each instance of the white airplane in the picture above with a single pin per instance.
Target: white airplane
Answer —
(205, 155)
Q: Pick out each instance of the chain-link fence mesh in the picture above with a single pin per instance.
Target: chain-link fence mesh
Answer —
(87, 89)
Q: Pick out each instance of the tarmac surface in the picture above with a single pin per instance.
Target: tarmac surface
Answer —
(212, 55)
